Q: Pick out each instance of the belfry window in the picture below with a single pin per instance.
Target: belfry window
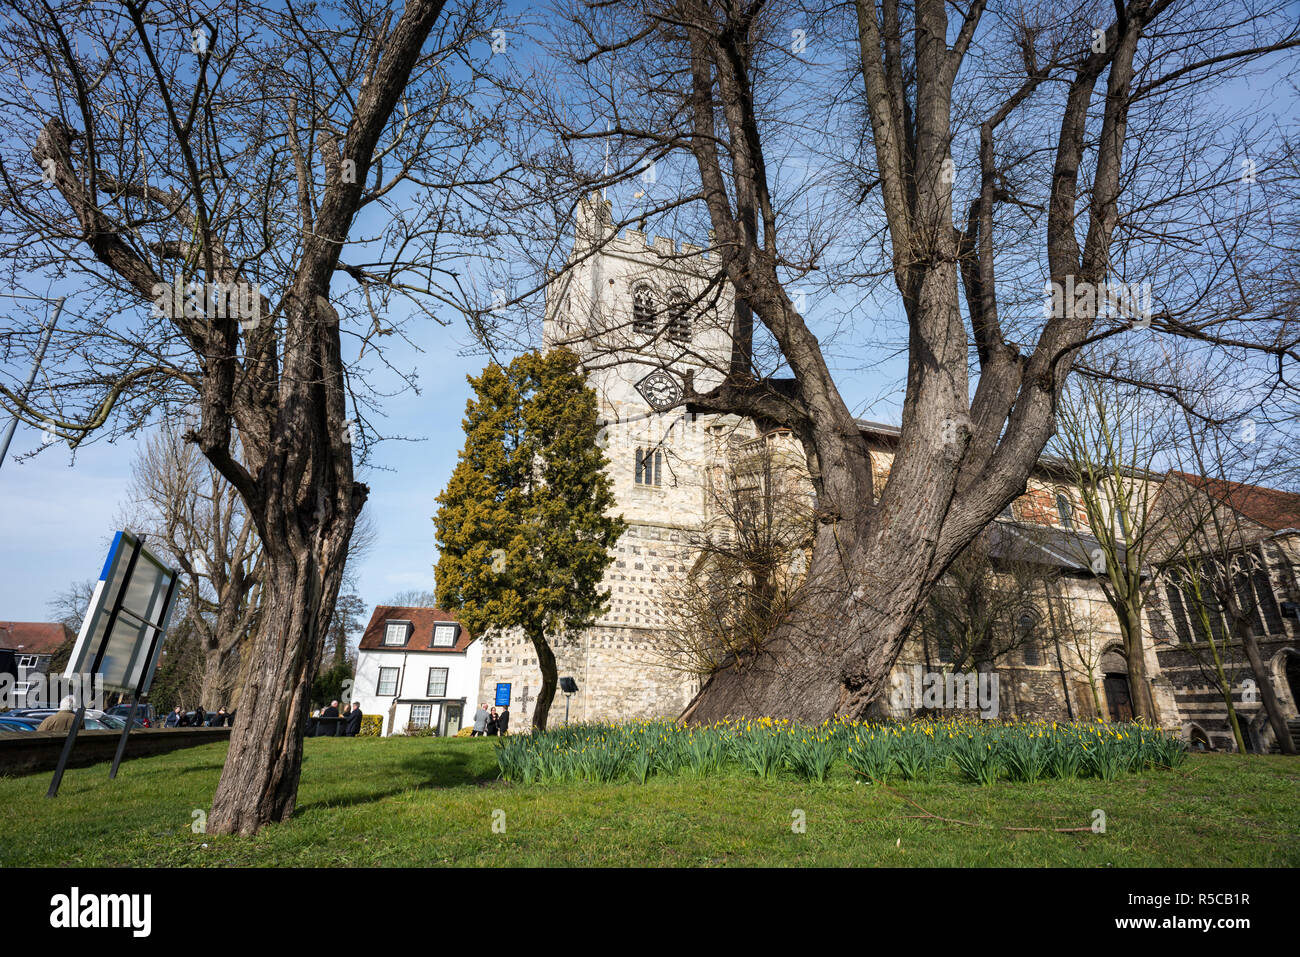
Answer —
(678, 326)
(645, 317)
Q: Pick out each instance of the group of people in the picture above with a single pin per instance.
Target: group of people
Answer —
(489, 722)
(351, 717)
(199, 718)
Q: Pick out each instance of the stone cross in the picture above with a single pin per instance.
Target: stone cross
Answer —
(523, 699)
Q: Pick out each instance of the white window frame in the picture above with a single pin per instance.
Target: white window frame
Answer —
(388, 633)
(428, 687)
(379, 685)
(447, 628)
(428, 720)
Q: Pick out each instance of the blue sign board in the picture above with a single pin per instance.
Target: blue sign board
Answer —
(503, 694)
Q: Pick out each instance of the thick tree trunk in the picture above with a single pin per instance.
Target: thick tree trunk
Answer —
(833, 652)
(259, 782)
(550, 680)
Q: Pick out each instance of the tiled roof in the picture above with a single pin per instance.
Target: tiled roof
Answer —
(1269, 507)
(34, 637)
(422, 620)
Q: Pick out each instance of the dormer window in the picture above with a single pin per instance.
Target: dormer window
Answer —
(444, 636)
(396, 632)
(645, 315)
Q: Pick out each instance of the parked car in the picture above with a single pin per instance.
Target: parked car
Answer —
(145, 715)
(92, 719)
(16, 724)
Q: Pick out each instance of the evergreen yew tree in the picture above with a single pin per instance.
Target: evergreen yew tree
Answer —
(522, 528)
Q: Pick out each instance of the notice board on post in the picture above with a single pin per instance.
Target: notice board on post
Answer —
(127, 618)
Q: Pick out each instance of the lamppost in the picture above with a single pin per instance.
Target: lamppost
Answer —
(570, 688)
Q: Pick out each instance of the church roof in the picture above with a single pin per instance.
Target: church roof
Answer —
(1274, 509)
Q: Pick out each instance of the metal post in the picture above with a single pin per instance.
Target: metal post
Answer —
(94, 668)
(121, 742)
(31, 379)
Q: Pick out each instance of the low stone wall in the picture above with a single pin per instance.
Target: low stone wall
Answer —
(27, 752)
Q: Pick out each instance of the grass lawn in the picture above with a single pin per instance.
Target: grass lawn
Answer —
(423, 801)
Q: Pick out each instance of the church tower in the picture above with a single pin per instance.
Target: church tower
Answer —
(645, 318)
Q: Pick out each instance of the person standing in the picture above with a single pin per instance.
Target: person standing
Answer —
(63, 719)
(480, 721)
(353, 726)
(173, 719)
(492, 723)
(503, 722)
(200, 717)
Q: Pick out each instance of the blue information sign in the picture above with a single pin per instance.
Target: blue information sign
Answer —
(503, 694)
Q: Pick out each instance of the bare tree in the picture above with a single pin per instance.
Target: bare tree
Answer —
(238, 198)
(1077, 634)
(413, 598)
(190, 513)
(69, 606)
(1004, 149)
(1112, 438)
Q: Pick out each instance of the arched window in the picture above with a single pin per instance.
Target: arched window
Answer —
(678, 325)
(639, 470)
(645, 316)
(1064, 510)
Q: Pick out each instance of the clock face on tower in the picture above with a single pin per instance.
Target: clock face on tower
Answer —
(661, 390)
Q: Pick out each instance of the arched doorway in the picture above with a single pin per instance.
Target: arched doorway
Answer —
(1200, 741)
(1284, 671)
(1114, 670)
